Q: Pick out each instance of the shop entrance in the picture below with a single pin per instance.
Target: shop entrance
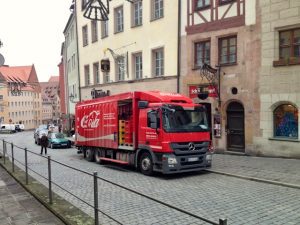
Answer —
(235, 127)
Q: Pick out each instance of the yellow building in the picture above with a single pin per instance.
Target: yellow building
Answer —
(21, 96)
(139, 41)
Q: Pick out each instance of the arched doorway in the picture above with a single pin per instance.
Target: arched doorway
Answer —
(235, 127)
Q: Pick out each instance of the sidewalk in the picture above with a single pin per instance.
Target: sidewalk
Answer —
(18, 207)
(285, 172)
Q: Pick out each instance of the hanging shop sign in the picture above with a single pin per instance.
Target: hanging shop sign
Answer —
(202, 91)
(105, 65)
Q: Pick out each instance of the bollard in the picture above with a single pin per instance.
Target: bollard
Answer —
(26, 167)
(4, 150)
(222, 221)
(96, 198)
(12, 157)
(49, 179)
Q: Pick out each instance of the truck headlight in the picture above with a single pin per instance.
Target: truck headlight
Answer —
(172, 160)
(208, 157)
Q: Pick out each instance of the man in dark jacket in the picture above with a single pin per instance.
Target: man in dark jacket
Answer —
(44, 143)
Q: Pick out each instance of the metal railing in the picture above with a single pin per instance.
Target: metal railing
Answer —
(95, 177)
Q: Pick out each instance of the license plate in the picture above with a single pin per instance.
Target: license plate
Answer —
(63, 144)
(193, 159)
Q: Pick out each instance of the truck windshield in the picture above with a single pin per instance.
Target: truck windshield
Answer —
(179, 119)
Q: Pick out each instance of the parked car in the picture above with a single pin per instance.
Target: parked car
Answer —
(57, 140)
(8, 128)
(38, 134)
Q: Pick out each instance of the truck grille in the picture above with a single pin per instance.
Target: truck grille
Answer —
(190, 148)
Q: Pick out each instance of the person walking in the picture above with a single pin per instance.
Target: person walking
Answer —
(44, 143)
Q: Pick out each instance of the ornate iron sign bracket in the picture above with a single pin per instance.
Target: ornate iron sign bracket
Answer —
(212, 76)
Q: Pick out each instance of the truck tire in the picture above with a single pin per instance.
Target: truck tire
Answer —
(146, 164)
(90, 155)
(97, 156)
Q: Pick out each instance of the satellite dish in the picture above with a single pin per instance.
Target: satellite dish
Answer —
(1, 60)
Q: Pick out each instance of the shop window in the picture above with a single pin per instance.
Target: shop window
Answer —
(286, 121)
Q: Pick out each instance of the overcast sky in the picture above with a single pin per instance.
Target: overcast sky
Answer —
(32, 33)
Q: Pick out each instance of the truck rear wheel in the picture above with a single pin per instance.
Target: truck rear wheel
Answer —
(146, 164)
(90, 155)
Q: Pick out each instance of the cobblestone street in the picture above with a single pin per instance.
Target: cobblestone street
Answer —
(205, 194)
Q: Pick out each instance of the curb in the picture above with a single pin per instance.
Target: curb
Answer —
(59, 213)
(256, 179)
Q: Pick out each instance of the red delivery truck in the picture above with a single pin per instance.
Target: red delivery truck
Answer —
(151, 130)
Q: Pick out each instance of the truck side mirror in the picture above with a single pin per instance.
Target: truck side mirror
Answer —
(143, 104)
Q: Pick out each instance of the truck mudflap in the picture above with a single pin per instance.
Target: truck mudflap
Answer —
(178, 164)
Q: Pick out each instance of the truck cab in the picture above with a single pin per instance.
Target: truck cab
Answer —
(176, 137)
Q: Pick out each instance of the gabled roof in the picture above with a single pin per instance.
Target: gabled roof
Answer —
(16, 73)
(53, 79)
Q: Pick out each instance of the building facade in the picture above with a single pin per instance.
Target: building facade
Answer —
(136, 49)
(279, 79)
(51, 101)
(226, 36)
(21, 96)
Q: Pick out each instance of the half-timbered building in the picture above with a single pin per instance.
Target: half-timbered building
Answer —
(223, 35)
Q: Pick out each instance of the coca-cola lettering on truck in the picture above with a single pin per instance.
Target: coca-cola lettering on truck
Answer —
(149, 130)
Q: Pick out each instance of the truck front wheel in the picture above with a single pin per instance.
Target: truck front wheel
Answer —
(90, 155)
(146, 164)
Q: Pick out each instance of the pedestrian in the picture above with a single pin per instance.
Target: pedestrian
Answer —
(44, 143)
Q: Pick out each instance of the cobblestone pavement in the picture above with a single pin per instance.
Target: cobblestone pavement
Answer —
(274, 169)
(205, 194)
(18, 207)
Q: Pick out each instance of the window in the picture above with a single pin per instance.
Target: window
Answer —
(228, 50)
(120, 65)
(202, 53)
(286, 121)
(119, 24)
(106, 77)
(225, 1)
(94, 26)
(138, 66)
(137, 13)
(87, 75)
(96, 73)
(157, 9)
(199, 4)
(158, 62)
(85, 40)
(104, 28)
(73, 61)
(1, 97)
(289, 43)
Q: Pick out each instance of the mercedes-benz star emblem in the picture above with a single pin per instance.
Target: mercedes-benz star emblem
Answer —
(192, 146)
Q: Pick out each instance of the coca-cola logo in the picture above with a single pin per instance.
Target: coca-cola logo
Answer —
(91, 120)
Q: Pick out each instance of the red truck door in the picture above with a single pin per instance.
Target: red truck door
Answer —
(149, 135)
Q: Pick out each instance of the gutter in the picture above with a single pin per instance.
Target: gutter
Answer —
(179, 46)
(77, 43)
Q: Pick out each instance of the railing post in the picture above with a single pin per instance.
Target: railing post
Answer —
(96, 198)
(222, 221)
(49, 179)
(4, 150)
(12, 157)
(26, 167)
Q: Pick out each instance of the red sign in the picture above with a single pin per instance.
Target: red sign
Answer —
(195, 90)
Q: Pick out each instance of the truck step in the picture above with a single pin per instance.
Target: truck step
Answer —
(114, 160)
